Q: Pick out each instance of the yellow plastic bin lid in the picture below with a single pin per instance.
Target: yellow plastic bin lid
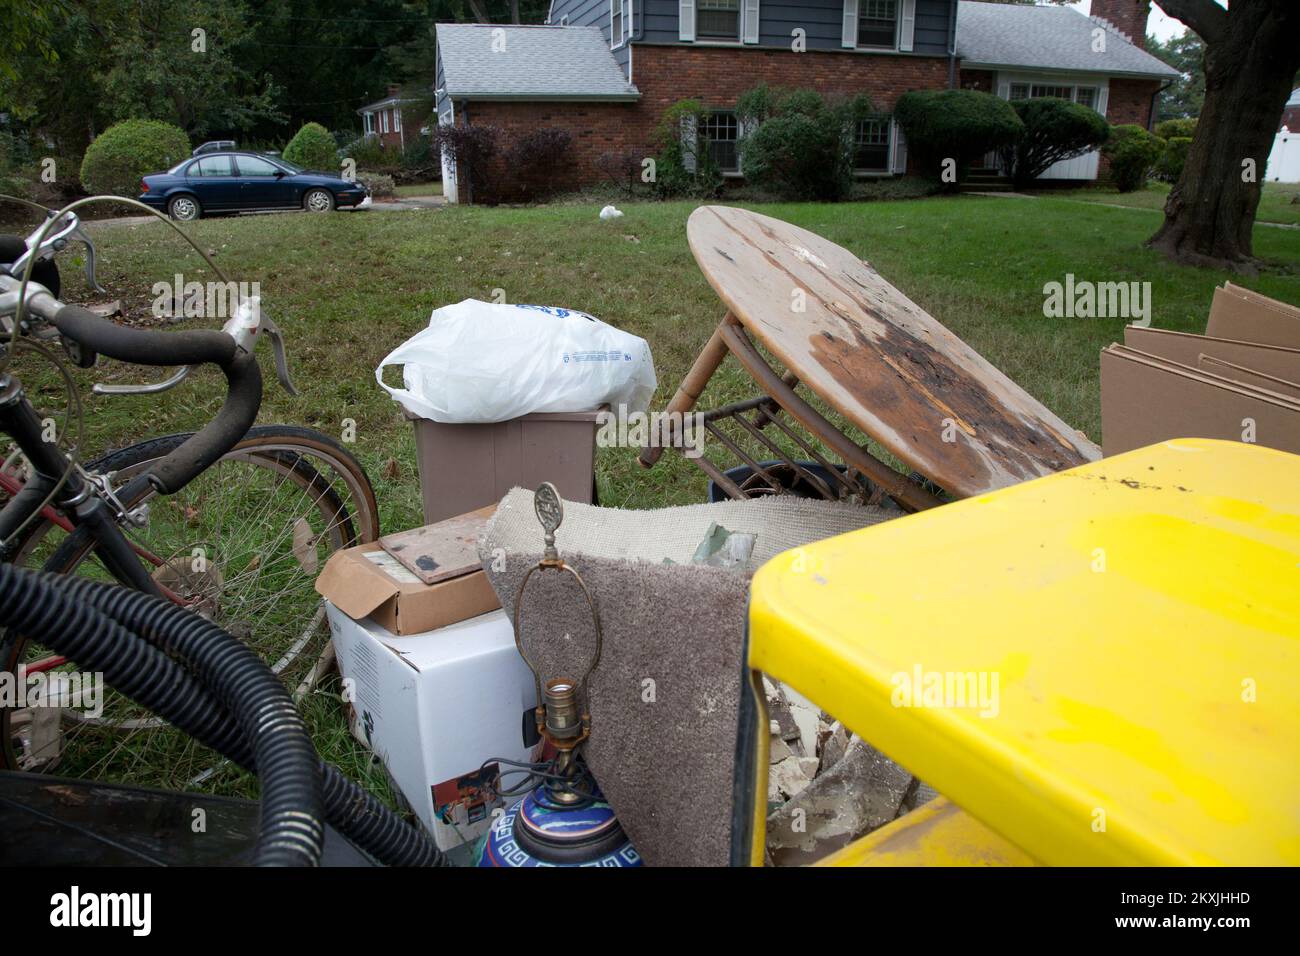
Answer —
(1102, 665)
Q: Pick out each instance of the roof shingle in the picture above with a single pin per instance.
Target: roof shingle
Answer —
(529, 62)
(1050, 37)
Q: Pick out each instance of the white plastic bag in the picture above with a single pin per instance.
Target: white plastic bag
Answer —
(480, 362)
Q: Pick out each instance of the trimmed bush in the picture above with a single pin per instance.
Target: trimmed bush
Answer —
(1054, 130)
(535, 164)
(1174, 157)
(117, 159)
(472, 149)
(957, 125)
(800, 146)
(1168, 129)
(1132, 152)
(313, 147)
(381, 186)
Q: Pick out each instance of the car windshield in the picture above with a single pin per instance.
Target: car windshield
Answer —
(292, 167)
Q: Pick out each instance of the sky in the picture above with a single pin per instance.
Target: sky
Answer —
(1160, 25)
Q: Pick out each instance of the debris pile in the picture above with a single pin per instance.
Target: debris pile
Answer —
(826, 785)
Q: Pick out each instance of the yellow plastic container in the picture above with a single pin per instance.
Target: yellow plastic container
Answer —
(1099, 667)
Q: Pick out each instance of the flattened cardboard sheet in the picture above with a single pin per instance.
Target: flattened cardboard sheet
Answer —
(1254, 319)
(1145, 399)
(1248, 376)
(1186, 347)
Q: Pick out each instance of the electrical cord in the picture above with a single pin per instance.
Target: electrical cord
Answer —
(580, 784)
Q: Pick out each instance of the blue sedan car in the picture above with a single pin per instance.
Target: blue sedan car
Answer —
(242, 182)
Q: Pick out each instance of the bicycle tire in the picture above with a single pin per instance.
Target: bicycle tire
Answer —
(293, 454)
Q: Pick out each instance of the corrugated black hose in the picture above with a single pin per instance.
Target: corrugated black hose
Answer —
(132, 647)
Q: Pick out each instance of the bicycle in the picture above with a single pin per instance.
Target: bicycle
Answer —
(232, 521)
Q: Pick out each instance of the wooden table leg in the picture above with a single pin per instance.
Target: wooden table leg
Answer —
(688, 393)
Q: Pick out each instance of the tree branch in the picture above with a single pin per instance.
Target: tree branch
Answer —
(1205, 17)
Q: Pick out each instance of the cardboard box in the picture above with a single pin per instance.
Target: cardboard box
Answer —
(463, 467)
(368, 582)
(1186, 347)
(1253, 318)
(434, 707)
(1146, 399)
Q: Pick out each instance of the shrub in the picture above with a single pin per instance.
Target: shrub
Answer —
(1053, 129)
(368, 151)
(623, 170)
(684, 166)
(535, 161)
(471, 148)
(800, 146)
(380, 186)
(313, 147)
(957, 125)
(1173, 158)
(1170, 128)
(126, 151)
(1132, 152)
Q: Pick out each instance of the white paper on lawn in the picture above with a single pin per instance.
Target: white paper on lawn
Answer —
(480, 362)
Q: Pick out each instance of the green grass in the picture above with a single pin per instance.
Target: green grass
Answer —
(420, 189)
(346, 289)
(1274, 206)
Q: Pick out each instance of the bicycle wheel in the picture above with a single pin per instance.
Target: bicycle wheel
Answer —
(241, 544)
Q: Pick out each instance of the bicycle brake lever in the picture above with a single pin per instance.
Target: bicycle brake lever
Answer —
(281, 359)
(80, 235)
(152, 388)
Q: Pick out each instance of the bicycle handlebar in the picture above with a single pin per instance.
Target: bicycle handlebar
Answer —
(145, 347)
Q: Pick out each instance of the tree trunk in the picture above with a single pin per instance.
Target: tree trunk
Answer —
(1250, 60)
(514, 11)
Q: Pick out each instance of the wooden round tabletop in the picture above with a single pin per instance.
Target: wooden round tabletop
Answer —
(877, 357)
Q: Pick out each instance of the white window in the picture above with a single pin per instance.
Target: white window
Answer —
(717, 20)
(722, 132)
(397, 119)
(877, 22)
(368, 120)
(871, 145)
(1083, 95)
(620, 22)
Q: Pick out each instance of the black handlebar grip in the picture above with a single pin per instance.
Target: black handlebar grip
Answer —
(143, 347)
(200, 450)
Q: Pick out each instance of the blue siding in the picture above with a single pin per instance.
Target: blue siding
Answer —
(821, 19)
(587, 13)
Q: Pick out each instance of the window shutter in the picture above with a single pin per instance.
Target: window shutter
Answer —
(1102, 97)
(690, 143)
(899, 143)
(686, 20)
(749, 32)
(1004, 89)
(849, 38)
(906, 24)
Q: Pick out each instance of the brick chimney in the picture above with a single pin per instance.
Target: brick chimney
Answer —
(395, 88)
(1129, 17)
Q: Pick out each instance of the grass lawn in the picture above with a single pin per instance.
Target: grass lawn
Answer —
(346, 289)
(420, 189)
(1274, 206)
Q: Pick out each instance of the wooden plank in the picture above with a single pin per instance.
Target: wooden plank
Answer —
(440, 551)
(877, 357)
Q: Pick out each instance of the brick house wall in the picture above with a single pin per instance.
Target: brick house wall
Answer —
(669, 73)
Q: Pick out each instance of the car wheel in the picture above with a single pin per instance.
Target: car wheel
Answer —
(184, 208)
(318, 200)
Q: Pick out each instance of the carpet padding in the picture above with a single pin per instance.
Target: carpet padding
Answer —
(665, 695)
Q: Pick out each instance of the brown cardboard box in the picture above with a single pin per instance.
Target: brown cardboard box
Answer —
(1253, 319)
(367, 581)
(1186, 348)
(1146, 399)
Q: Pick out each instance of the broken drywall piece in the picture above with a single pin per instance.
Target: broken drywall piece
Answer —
(861, 792)
(789, 778)
(834, 746)
(806, 716)
(778, 710)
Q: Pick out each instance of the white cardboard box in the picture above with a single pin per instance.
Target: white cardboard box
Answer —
(434, 707)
